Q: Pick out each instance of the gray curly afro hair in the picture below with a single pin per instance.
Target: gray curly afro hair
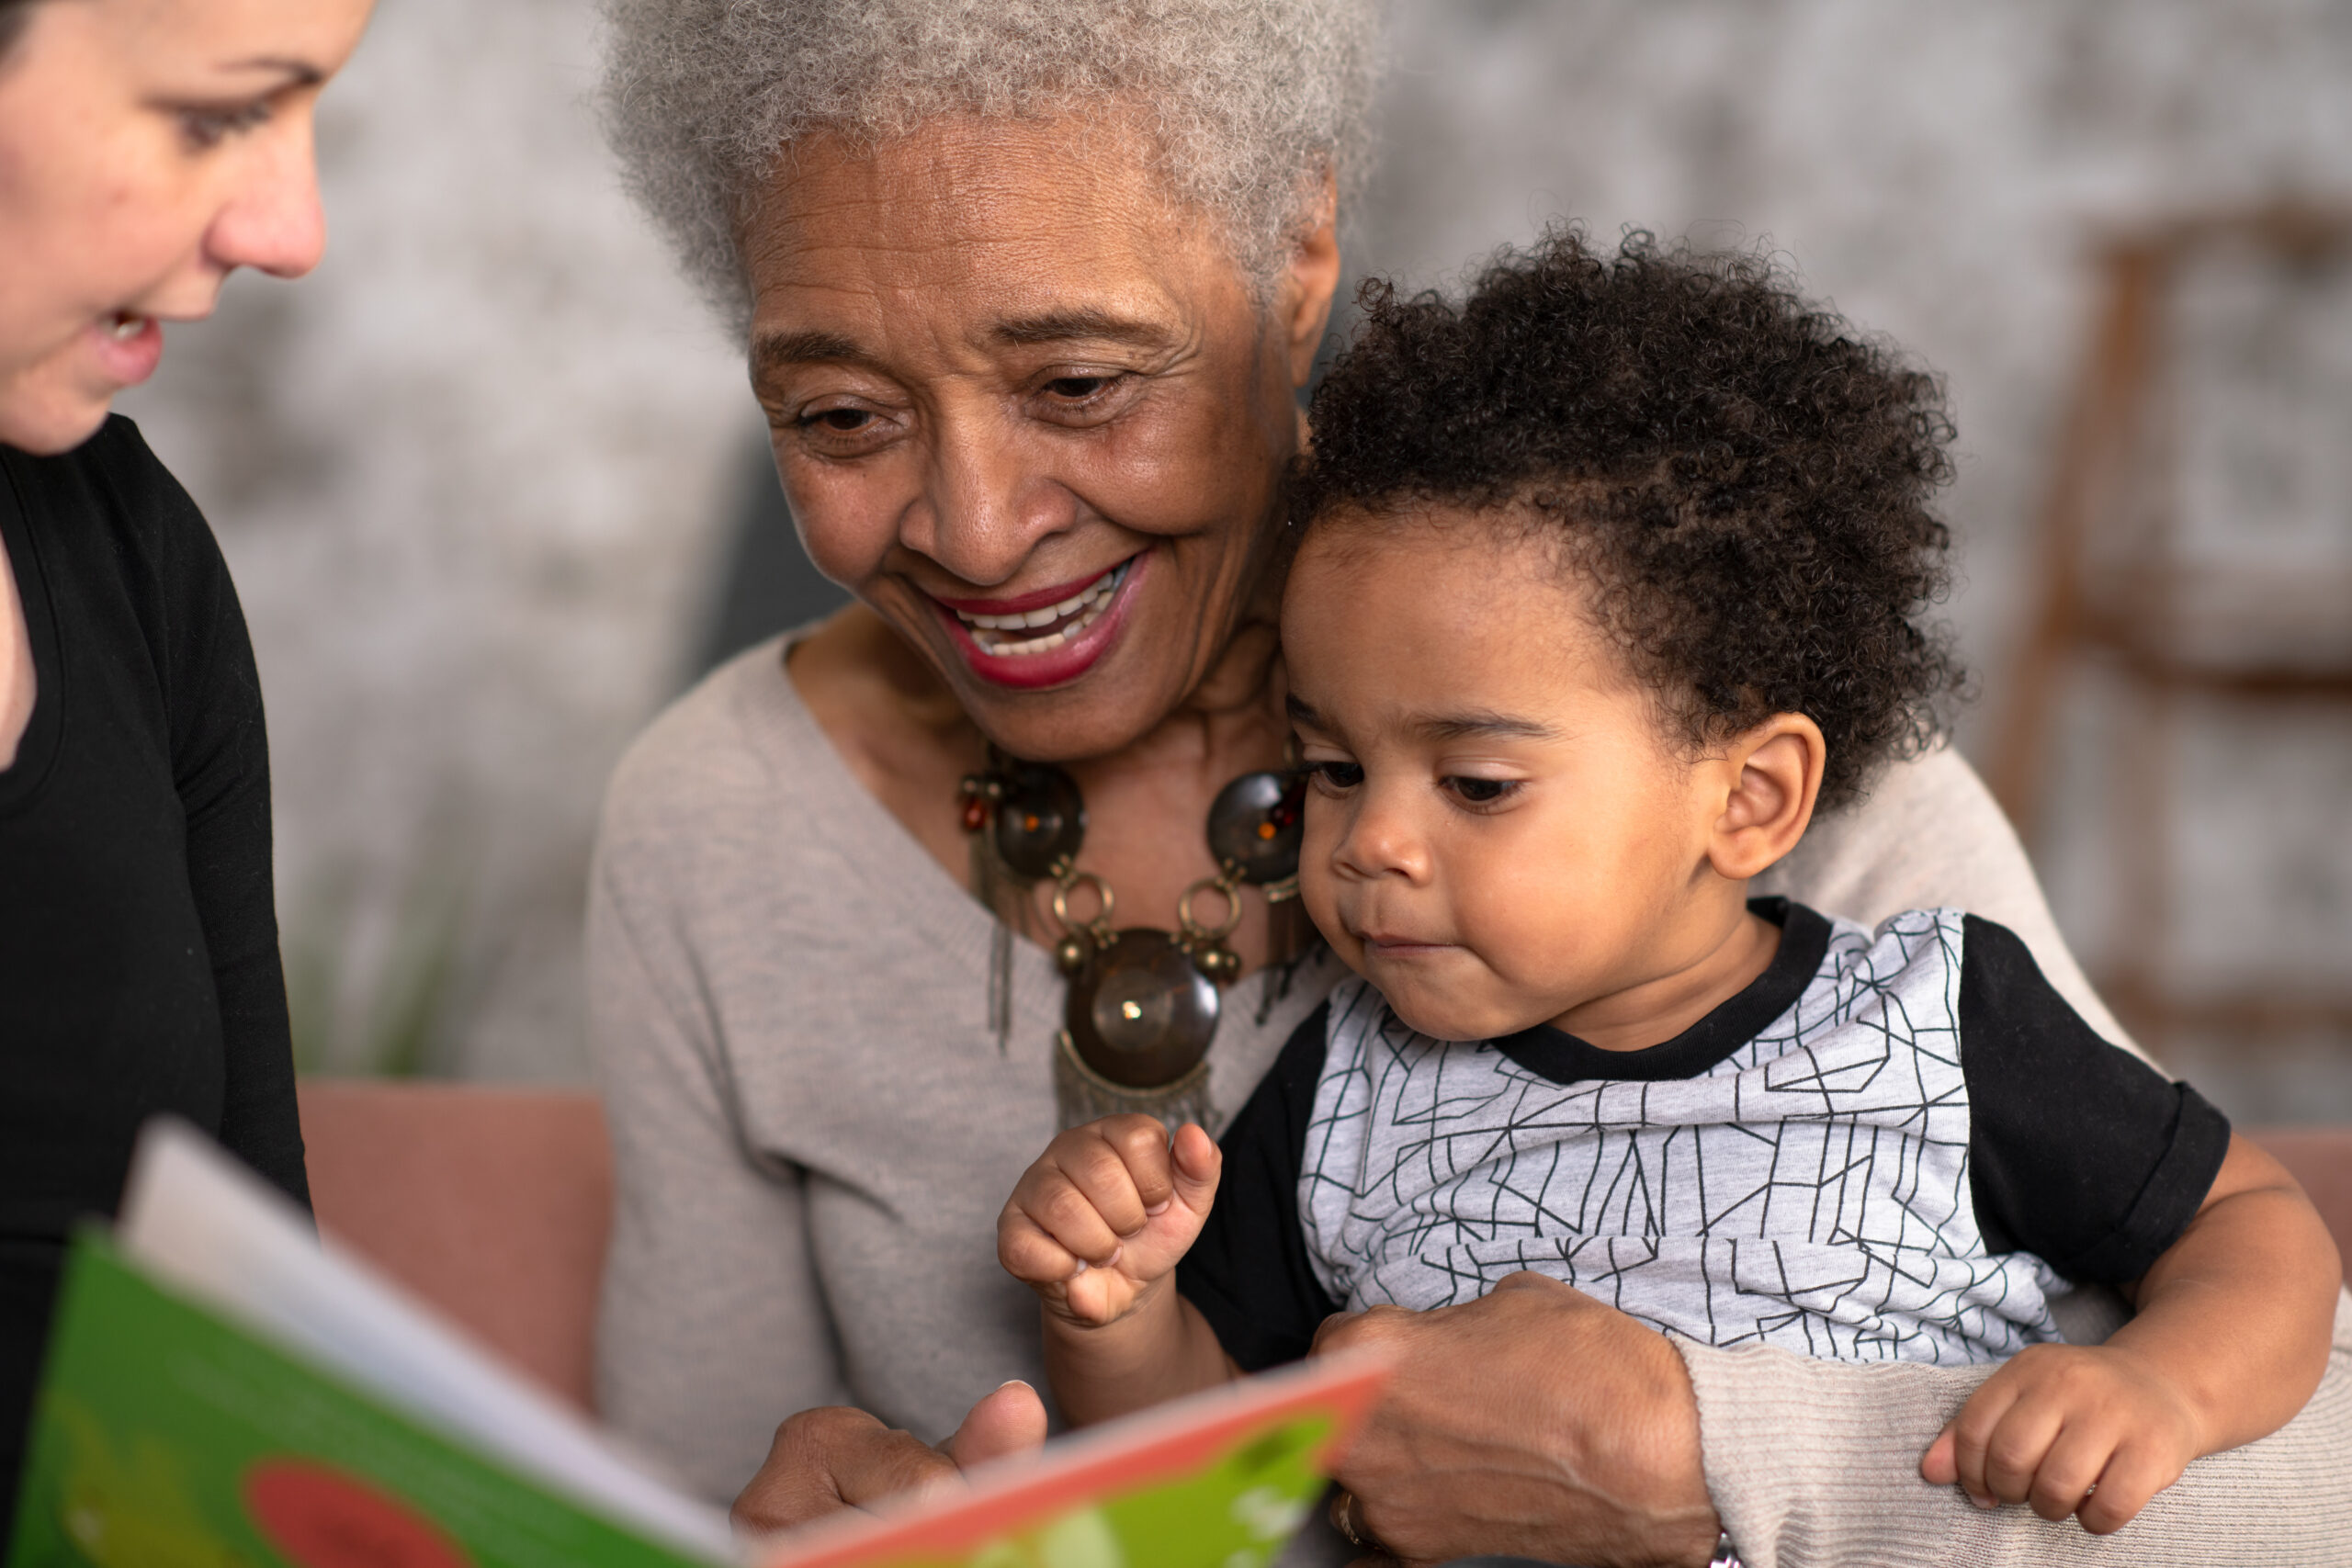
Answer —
(1251, 104)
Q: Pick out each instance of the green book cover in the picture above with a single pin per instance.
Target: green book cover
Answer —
(164, 1438)
(221, 1392)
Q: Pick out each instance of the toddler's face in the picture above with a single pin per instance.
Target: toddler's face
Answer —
(1496, 832)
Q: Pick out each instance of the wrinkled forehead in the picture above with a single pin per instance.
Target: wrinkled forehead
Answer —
(999, 214)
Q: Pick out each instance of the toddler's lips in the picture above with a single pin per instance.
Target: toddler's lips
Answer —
(1386, 945)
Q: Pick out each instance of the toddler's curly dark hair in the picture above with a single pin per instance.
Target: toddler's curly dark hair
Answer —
(1743, 480)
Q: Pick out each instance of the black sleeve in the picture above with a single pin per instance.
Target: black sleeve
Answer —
(2078, 1151)
(204, 659)
(1247, 1273)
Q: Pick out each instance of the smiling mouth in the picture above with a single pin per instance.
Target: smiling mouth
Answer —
(1020, 634)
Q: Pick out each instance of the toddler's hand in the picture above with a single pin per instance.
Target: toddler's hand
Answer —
(2060, 1419)
(1105, 1213)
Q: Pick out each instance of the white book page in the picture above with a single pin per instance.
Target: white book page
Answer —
(206, 1226)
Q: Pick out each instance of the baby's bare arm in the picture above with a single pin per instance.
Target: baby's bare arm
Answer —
(2231, 1338)
(2239, 1310)
(1096, 1227)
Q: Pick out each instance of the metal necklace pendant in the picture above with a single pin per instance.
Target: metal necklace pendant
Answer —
(1036, 820)
(1143, 1005)
(1255, 825)
(1138, 1020)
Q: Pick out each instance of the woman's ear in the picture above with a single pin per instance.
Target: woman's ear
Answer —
(1775, 777)
(1304, 306)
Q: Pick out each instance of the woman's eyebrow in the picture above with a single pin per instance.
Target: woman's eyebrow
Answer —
(1082, 322)
(773, 351)
(298, 73)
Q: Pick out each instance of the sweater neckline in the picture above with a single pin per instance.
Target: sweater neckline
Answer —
(891, 858)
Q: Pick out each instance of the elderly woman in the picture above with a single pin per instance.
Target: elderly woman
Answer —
(1029, 290)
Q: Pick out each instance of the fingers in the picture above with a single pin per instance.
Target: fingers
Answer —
(1094, 1187)
(1196, 1162)
(1009, 1421)
(822, 1461)
(2067, 1469)
(1937, 1466)
(2012, 1453)
(1972, 1432)
(2066, 1430)
(2129, 1483)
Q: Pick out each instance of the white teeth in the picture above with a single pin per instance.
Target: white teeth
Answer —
(1087, 604)
(126, 327)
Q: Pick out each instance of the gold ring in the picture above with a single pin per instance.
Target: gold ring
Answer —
(1344, 1510)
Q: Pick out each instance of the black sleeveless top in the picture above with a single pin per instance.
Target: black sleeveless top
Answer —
(139, 965)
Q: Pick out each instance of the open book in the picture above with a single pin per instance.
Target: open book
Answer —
(224, 1390)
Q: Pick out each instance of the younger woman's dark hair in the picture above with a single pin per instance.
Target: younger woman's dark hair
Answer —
(13, 16)
(1742, 481)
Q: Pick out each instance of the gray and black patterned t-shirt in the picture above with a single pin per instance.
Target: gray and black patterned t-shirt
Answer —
(1893, 1145)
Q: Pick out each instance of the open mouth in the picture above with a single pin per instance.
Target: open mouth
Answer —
(124, 325)
(1049, 636)
(1027, 633)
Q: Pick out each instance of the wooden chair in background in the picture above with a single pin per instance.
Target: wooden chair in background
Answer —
(2116, 594)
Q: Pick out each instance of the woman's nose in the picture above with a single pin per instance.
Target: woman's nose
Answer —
(273, 221)
(984, 506)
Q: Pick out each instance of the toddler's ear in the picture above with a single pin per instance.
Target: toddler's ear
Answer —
(1774, 775)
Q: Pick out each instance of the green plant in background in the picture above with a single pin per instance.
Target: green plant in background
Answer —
(385, 1012)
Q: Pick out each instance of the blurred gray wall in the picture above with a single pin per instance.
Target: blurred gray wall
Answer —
(479, 476)
(472, 477)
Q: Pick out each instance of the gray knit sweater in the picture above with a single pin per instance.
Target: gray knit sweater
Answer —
(814, 1127)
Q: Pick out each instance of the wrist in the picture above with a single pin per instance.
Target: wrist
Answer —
(2205, 1416)
(1116, 1347)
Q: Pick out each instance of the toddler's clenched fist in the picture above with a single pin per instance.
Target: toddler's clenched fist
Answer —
(1096, 1227)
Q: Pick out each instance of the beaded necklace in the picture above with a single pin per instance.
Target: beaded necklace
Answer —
(1142, 1006)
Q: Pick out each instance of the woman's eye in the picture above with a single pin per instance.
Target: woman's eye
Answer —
(1077, 388)
(844, 421)
(208, 128)
(1481, 792)
(1339, 775)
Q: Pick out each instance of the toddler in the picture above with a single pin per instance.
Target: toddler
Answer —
(1608, 580)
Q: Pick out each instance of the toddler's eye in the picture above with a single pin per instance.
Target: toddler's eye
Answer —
(1339, 775)
(1481, 792)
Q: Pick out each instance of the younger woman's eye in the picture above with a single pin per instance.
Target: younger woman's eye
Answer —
(1482, 792)
(206, 128)
(1339, 775)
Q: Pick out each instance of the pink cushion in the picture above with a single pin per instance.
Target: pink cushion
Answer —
(2320, 1158)
(493, 1204)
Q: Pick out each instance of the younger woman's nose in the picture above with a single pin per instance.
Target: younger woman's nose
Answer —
(273, 221)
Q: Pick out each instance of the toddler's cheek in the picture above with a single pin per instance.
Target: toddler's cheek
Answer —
(1319, 891)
